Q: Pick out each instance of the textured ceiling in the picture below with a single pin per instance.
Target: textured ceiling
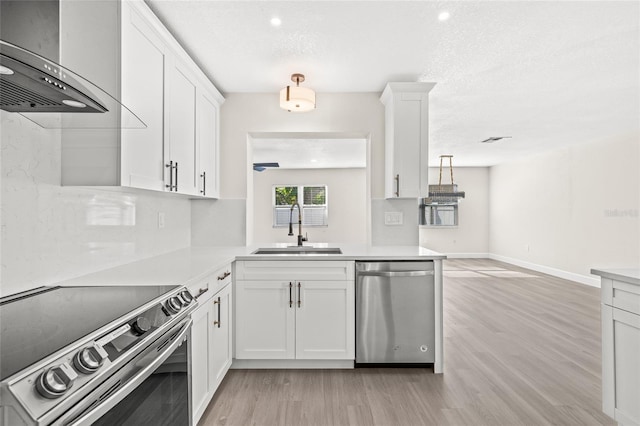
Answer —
(550, 74)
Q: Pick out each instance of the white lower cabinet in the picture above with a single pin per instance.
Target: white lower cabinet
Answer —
(221, 333)
(211, 343)
(265, 323)
(201, 353)
(325, 320)
(281, 319)
(621, 351)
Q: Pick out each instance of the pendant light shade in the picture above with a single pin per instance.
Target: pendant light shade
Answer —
(296, 98)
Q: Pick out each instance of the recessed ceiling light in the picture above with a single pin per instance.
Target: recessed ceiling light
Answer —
(74, 104)
(275, 21)
(444, 16)
(313, 160)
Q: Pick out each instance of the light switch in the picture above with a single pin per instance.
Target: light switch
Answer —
(393, 218)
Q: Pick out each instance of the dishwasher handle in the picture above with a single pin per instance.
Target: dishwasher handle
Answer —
(395, 273)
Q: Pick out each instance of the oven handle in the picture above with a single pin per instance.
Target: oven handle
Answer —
(134, 382)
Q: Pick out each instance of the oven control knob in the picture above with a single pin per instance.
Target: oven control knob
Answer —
(141, 325)
(174, 305)
(90, 359)
(55, 381)
(186, 297)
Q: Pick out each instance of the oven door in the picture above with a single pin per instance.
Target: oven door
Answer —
(153, 389)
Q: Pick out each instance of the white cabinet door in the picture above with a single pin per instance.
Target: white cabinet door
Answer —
(144, 56)
(208, 155)
(201, 353)
(406, 139)
(222, 336)
(182, 128)
(325, 327)
(620, 365)
(265, 320)
(406, 159)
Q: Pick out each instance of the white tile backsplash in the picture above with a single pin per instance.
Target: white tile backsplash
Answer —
(51, 233)
(401, 232)
(218, 222)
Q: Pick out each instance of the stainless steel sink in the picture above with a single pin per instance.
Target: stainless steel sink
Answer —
(298, 250)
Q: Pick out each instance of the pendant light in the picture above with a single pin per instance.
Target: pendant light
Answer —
(296, 98)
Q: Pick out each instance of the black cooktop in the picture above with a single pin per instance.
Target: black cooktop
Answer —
(37, 325)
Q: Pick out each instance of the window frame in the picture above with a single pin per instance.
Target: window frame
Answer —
(303, 206)
(431, 212)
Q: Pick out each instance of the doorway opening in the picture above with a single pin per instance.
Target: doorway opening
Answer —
(328, 174)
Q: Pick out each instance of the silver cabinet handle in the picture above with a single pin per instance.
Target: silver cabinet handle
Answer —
(176, 185)
(170, 166)
(290, 298)
(223, 276)
(217, 302)
(397, 179)
(204, 183)
(201, 292)
(299, 301)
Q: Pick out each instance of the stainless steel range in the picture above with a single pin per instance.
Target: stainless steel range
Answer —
(96, 355)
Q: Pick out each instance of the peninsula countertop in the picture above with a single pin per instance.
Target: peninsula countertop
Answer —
(630, 275)
(185, 266)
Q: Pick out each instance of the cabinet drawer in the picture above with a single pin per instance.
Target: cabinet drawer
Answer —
(318, 270)
(622, 295)
(202, 289)
(221, 278)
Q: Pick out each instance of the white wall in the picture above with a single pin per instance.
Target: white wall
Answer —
(346, 199)
(471, 236)
(569, 210)
(51, 233)
(244, 114)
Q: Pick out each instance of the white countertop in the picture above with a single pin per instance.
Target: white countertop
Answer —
(629, 275)
(349, 252)
(182, 267)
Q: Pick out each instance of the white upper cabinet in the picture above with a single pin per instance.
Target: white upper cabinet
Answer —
(208, 123)
(182, 129)
(406, 139)
(144, 56)
(156, 79)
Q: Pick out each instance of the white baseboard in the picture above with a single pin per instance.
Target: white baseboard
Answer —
(582, 279)
(467, 255)
(291, 363)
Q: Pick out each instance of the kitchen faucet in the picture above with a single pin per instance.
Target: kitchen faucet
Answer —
(300, 237)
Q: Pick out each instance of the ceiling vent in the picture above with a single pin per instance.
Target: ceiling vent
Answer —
(493, 139)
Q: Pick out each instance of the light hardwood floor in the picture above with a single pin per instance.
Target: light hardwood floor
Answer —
(521, 348)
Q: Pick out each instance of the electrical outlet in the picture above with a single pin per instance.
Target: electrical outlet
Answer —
(160, 220)
(393, 218)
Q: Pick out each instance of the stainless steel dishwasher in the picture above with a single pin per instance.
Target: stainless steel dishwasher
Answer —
(395, 318)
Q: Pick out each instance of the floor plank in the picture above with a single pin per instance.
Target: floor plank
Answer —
(521, 348)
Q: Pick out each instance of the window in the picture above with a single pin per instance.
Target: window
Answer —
(442, 214)
(313, 203)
